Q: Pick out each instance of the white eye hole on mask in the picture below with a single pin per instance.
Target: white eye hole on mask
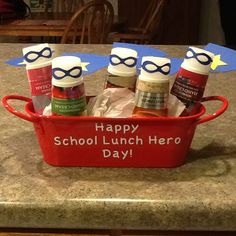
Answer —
(202, 58)
(75, 72)
(129, 62)
(32, 56)
(189, 54)
(165, 69)
(46, 53)
(59, 73)
(151, 67)
(115, 60)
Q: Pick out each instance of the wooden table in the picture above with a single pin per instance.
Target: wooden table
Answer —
(44, 24)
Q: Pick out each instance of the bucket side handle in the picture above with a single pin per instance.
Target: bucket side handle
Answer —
(218, 112)
(11, 109)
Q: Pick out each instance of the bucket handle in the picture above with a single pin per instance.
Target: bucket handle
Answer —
(33, 119)
(13, 110)
(218, 112)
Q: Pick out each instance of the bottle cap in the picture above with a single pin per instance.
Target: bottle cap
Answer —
(66, 71)
(198, 60)
(37, 54)
(123, 62)
(155, 69)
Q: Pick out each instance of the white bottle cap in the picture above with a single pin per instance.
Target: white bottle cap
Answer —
(155, 69)
(198, 60)
(123, 62)
(37, 55)
(66, 71)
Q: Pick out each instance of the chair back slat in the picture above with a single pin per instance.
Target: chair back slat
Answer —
(93, 21)
(155, 16)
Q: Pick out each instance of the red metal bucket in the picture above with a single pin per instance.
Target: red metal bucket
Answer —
(114, 142)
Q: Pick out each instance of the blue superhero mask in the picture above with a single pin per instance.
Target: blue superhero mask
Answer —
(74, 72)
(202, 58)
(128, 61)
(164, 69)
(45, 52)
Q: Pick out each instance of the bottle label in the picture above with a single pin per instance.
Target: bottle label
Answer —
(188, 86)
(120, 81)
(187, 92)
(40, 80)
(153, 87)
(69, 101)
(151, 100)
(69, 107)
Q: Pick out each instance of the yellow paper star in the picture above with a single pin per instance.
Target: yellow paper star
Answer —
(84, 65)
(217, 62)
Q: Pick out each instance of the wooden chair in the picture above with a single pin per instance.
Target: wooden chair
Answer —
(148, 26)
(90, 24)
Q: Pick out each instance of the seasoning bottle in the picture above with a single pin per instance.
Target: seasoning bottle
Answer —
(68, 93)
(39, 72)
(191, 79)
(122, 68)
(152, 89)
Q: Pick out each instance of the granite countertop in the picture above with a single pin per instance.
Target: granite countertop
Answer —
(199, 195)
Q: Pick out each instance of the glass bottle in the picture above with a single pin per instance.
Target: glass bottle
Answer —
(152, 89)
(68, 92)
(191, 79)
(39, 73)
(122, 69)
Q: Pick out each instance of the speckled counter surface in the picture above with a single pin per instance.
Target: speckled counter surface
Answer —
(200, 195)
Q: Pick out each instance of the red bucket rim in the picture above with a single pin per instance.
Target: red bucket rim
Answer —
(29, 109)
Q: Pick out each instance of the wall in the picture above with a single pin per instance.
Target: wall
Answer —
(210, 27)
